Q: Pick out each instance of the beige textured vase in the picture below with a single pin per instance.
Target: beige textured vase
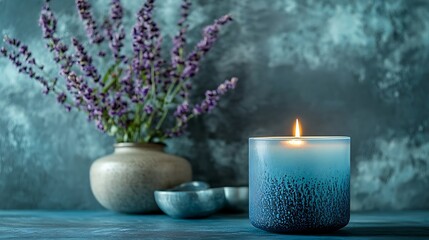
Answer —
(125, 181)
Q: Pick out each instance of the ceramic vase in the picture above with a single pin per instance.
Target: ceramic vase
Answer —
(125, 181)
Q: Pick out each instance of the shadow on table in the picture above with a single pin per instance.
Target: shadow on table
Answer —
(367, 231)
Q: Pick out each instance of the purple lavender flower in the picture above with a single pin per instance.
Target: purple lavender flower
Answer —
(114, 30)
(117, 106)
(144, 32)
(182, 118)
(48, 23)
(85, 61)
(61, 98)
(148, 109)
(157, 62)
(178, 131)
(186, 5)
(178, 43)
(19, 57)
(116, 11)
(101, 54)
(12, 41)
(23, 50)
(100, 125)
(127, 83)
(144, 91)
(182, 111)
(84, 9)
(179, 40)
(3, 51)
(140, 92)
(86, 99)
(213, 96)
(115, 41)
(210, 35)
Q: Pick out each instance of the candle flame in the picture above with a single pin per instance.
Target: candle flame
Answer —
(296, 142)
(297, 129)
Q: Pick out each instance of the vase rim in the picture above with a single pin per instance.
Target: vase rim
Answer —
(154, 146)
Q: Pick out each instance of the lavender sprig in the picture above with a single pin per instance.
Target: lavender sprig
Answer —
(179, 40)
(86, 98)
(85, 62)
(142, 38)
(84, 10)
(23, 61)
(116, 12)
(210, 35)
(114, 30)
(147, 45)
(213, 96)
(182, 117)
(48, 24)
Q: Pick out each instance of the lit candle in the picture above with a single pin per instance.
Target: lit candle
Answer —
(299, 184)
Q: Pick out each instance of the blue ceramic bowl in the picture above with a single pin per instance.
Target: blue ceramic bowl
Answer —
(190, 200)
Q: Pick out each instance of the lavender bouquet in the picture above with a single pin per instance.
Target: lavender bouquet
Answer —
(139, 98)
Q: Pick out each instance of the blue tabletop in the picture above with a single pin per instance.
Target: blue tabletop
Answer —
(104, 224)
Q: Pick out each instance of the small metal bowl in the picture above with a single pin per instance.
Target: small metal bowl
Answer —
(190, 200)
(236, 199)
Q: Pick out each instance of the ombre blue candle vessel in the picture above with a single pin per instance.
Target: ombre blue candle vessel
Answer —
(299, 185)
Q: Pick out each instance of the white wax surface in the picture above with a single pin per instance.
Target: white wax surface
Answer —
(316, 157)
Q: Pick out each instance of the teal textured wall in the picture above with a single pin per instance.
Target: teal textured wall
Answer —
(344, 68)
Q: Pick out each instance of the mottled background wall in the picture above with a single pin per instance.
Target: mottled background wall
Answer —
(357, 69)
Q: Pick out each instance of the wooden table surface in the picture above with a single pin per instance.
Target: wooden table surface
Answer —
(109, 225)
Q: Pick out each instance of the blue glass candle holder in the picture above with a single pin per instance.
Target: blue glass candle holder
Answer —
(299, 185)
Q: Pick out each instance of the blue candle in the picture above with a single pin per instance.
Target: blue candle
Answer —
(299, 184)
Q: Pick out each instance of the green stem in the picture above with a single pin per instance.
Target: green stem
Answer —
(152, 75)
(109, 85)
(149, 123)
(179, 86)
(166, 102)
(161, 121)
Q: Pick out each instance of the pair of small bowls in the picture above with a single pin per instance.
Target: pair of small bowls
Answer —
(196, 200)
